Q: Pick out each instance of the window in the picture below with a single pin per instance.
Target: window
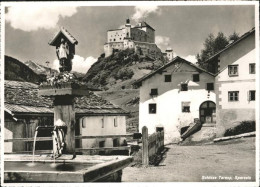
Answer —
(196, 77)
(115, 142)
(152, 108)
(102, 144)
(159, 129)
(252, 95)
(115, 122)
(233, 96)
(233, 70)
(114, 39)
(102, 123)
(167, 78)
(252, 68)
(184, 87)
(210, 86)
(186, 109)
(154, 92)
(185, 106)
(82, 122)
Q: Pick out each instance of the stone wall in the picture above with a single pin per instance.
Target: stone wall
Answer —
(227, 118)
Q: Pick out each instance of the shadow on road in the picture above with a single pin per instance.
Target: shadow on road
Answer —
(159, 157)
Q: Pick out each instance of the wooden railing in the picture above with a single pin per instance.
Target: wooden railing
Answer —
(82, 150)
(151, 144)
(76, 137)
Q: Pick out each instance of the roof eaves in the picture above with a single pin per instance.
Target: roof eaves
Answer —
(66, 33)
(11, 113)
(167, 65)
(193, 65)
(156, 71)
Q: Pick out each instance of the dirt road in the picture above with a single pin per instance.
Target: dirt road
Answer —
(224, 161)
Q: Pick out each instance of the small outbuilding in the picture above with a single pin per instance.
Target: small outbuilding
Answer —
(24, 111)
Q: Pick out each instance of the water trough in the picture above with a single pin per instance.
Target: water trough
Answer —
(83, 168)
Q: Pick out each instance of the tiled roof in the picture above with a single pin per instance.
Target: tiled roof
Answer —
(22, 97)
(175, 60)
(66, 34)
(144, 24)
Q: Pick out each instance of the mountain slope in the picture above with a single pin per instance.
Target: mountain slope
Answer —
(16, 70)
(120, 69)
(39, 69)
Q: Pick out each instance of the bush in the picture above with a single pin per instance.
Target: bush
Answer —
(124, 74)
(240, 128)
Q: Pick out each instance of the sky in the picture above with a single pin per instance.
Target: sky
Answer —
(183, 28)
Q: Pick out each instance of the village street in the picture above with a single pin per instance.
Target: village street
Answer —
(221, 161)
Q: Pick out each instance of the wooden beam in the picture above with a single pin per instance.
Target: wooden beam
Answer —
(29, 139)
(145, 151)
(249, 134)
(104, 136)
(29, 152)
(76, 137)
(104, 148)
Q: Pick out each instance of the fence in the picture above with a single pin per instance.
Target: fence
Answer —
(82, 150)
(151, 144)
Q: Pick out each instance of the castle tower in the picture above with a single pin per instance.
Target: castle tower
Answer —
(169, 54)
(128, 29)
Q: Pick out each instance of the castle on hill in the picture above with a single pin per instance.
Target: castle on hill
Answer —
(141, 38)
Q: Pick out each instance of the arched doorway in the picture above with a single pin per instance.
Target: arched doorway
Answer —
(208, 112)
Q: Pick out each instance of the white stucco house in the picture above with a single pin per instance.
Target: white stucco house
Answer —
(178, 92)
(235, 69)
(174, 95)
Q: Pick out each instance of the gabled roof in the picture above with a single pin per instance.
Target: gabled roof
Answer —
(22, 98)
(144, 24)
(252, 31)
(64, 32)
(175, 60)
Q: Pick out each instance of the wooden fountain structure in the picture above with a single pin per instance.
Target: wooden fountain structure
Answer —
(63, 92)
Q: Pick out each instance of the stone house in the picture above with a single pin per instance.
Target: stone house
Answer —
(24, 110)
(235, 74)
(174, 95)
(140, 37)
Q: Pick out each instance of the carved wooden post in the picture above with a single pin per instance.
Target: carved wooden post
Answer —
(66, 89)
(64, 110)
(145, 153)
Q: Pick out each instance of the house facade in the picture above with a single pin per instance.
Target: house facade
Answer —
(173, 96)
(178, 92)
(25, 111)
(140, 37)
(235, 68)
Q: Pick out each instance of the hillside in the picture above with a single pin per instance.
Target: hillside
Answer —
(16, 70)
(115, 75)
(120, 70)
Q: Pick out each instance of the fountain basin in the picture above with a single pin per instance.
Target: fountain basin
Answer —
(83, 168)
